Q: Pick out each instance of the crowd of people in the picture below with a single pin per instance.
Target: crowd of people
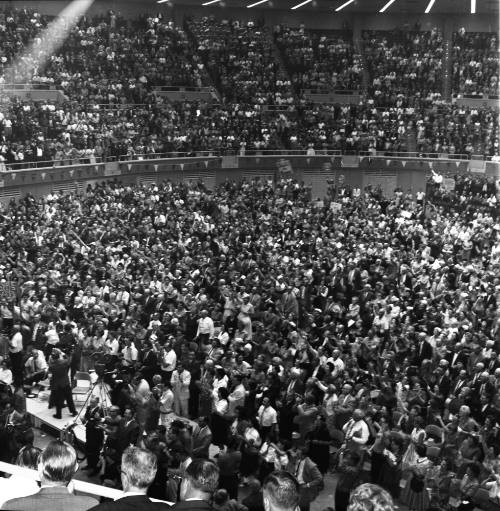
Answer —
(319, 60)
(242, 59)
(261, 329)
(108, 68)
(475, 63)
(405, 62)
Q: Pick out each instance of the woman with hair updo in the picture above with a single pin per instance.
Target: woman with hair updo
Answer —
(370, 497)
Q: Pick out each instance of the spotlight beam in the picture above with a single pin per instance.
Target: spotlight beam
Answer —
(49, 40)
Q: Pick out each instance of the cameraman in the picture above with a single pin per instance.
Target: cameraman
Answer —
(59, 383)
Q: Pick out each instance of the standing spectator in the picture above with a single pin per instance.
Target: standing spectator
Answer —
(198, 485)
(16, 355)
(181, 380)
(350, 471)
(206, 328)
(229, 467)
(308, 476)
(267, 418)
(60, 384)
(356, 431)
(94, 433)
(138, 470)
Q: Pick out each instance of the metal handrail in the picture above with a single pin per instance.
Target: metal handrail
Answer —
(278, 152)
(80, 486)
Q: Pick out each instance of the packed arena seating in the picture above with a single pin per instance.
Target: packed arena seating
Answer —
(403, 62)
(319, 59)
(109, 66)
(242, 59)
(106, 61)
(387, 306)
(475, 63)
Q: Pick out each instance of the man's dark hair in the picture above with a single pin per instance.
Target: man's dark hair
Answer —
(203, 476)
(282, 489)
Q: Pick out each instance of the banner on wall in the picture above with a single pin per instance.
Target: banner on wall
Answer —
(284, 167)
(112, 169)
(477, 166)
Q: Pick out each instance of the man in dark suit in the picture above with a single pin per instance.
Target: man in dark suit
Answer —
(424, 349)
(200, 481)
(308, 476)
(59, 382)
(128, 430)
(456, 354)
(138, 470)
(57, 467)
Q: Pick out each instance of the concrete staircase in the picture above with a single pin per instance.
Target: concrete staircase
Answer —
(447, 70)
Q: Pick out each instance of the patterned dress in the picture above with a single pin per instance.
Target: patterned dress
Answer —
(415, 494)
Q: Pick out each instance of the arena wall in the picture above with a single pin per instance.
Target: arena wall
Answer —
(318, 172)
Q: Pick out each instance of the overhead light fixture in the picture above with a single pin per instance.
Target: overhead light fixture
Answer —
(429, 6)
(162, 1)
(210, 2)
(387, 5)
(344, 5)
(301, 4)
(473, 6)
(257, 3)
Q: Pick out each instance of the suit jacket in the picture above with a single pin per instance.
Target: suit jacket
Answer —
(192, 505)
(202, 439)
(462, 357)
(254, 502)
(424, 351)
(127, 434)
(53, 498)
(132, 503)
(312, 476)
(59, 370)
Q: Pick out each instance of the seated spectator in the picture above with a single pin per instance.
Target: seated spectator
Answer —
(56, 469)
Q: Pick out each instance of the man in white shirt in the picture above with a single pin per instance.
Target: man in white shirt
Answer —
(129, 353)
(16, 355)
(356, 431)
(237, 396)
(5, 374)
(168, 361)
(267, 418)
(167, 399)
(181, 378)
(35, 368)
(205, 327)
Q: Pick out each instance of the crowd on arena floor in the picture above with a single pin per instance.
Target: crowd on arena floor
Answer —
(293, 335)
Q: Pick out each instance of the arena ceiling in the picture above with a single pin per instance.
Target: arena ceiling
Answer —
(490, 7)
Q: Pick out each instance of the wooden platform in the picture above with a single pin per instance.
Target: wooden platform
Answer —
(39, 411)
